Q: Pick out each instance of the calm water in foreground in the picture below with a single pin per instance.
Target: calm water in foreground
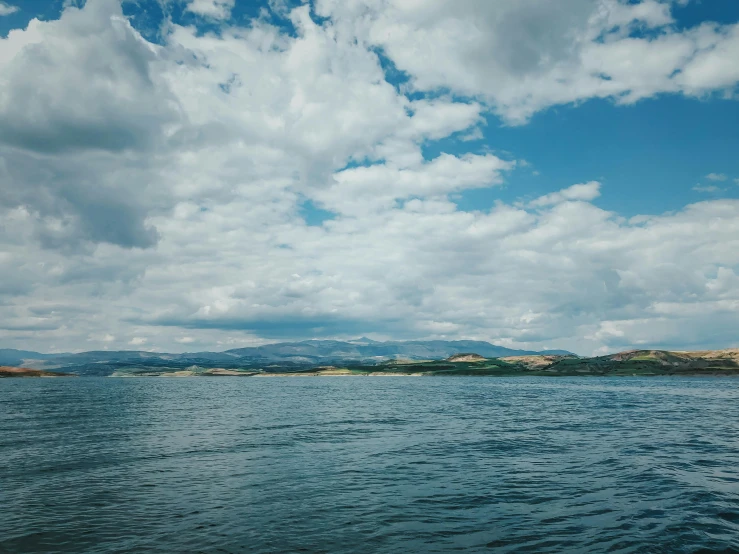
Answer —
(369, 465)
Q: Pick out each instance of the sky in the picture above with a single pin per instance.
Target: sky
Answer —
(184, 175)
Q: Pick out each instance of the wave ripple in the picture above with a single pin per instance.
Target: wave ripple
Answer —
(369, 465)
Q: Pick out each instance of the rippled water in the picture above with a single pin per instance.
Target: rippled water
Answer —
(369, 465)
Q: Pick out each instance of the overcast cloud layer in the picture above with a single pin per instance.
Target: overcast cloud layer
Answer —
(152, 194)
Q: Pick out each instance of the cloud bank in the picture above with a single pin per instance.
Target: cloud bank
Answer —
(153, 194)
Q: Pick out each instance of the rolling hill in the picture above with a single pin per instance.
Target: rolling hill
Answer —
(289, 355)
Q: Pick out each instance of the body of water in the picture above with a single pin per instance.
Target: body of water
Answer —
(369, 464)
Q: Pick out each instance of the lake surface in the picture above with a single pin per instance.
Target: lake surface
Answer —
(369, 464)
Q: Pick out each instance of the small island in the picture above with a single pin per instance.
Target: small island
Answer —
(6, 371)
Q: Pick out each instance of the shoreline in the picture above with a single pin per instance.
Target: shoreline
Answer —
(634, 363)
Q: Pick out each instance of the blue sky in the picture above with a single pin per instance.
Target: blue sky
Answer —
(649, 156)
(192, 174)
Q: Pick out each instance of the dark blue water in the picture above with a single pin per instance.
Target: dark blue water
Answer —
(369, 465)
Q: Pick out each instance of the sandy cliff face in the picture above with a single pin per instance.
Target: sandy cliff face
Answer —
(680, 357)
(726, 354)
(466, 358)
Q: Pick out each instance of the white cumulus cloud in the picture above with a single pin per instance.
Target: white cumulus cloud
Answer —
(706, 188)
(584, 192)
(7, 9)
(215, 9)
(716, 177)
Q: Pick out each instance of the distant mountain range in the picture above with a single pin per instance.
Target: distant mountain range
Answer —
(141, 364)
(291, 354)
